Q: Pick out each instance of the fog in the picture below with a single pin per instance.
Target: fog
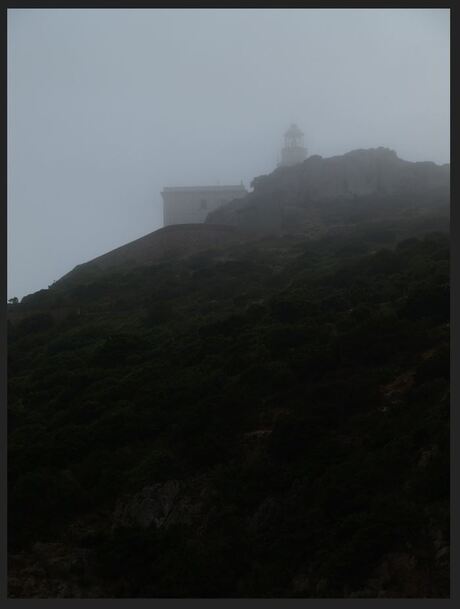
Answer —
(106, 107)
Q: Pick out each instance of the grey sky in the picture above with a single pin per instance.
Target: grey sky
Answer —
(105, 107)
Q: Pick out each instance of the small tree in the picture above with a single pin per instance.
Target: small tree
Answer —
(13, 301)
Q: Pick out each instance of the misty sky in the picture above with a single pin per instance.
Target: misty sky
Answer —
(105, 107)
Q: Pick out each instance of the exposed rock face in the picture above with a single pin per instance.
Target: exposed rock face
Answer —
(266, 516)
(67, 569)
(159, 505)
(401, 575)
(287, 196)
(52, 570)
(395, 392)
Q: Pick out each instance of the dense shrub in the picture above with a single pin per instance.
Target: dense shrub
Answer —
(301, 390)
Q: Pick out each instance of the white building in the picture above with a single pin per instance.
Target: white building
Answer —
(191, 204)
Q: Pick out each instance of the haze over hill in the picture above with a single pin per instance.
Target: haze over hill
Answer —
(106, 107)
(293, 197)
(313, 198)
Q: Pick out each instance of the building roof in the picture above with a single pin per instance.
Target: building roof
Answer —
(238, 187)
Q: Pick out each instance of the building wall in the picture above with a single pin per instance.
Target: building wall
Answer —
(191, 205)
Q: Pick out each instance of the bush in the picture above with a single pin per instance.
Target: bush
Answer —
(39, 322)
(428, 301)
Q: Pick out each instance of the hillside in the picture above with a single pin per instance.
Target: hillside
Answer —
(349, 188)
(314, 198)
(175, 240)
(265, 418)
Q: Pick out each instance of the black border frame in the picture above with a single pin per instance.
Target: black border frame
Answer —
(455, 364)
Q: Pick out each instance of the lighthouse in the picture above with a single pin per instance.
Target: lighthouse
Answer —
(294, 151)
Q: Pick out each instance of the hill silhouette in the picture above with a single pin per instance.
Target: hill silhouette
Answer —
(322, 191)
(262, 416)
(316, 197)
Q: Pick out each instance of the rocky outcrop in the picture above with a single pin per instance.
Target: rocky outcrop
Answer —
(53, 570)
(394, 393)
(289, 196)
(161, 505)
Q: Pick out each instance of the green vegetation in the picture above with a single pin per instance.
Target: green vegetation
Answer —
(335, 351)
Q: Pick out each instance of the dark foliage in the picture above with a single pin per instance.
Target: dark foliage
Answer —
(302, 388)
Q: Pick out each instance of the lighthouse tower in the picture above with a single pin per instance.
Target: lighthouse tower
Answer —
(294, 151)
